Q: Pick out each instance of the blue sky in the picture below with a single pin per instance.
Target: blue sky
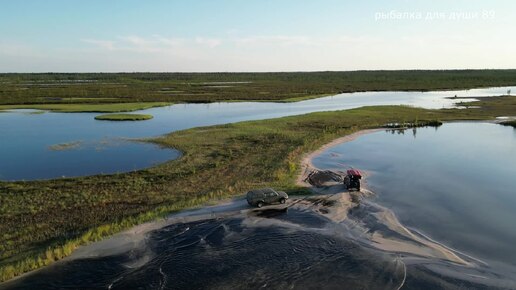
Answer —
(253, 35)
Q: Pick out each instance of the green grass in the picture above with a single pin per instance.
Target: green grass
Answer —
(89, 99)
(94, 88)
(123, 117)
(44, 221)
(94, 108)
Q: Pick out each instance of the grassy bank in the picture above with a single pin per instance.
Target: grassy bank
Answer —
(93, 108)
(509, 123)
(123, 117)
(98, 88)
(43, 221)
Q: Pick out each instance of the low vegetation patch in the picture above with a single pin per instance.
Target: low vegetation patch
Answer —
(509, 123)
(95, 88)
(65, 146)
(123, 117)
(93, 108)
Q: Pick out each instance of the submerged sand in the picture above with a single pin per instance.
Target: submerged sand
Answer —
(306, 162)
(343, 202)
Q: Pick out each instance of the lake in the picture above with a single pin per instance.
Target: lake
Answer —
(455, 184)
(53, 145)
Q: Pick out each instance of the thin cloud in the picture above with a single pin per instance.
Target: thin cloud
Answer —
(17, 49)
(158, 43)
(262, 53)
(106, 44)
(281, 40)
(155, 43)
(210, 42)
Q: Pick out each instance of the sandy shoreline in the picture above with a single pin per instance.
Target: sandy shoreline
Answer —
(306, 162)
(345, 201)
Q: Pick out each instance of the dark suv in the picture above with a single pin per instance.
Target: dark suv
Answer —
(260, 197)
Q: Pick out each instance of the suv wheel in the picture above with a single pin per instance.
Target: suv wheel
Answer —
(259, 204)
(282, 201)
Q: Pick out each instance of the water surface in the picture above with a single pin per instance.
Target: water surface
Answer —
(27, 139)
(455, 184)
(283, 250)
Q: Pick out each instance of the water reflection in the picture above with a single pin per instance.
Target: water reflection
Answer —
(26, 134)
(455, 184)
(291, 250)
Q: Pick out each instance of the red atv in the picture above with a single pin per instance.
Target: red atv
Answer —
(352, 179)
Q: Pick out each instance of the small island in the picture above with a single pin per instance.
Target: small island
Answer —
(123, 117)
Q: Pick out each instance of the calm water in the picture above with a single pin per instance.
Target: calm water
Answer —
(26, 139)
(287, 250)
(27, 152)
(455, 184)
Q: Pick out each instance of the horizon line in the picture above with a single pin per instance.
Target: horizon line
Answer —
(257, 72)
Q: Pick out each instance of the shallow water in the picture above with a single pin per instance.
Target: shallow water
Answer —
(27, 139)
(455, 184)
(284, 250)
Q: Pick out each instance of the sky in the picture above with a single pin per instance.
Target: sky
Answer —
(255, 35)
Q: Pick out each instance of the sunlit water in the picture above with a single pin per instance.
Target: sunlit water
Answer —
(455, 184)
(26, 142)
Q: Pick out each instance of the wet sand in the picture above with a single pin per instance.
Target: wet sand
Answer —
(363, 217)
(306, 162)
(348, 200)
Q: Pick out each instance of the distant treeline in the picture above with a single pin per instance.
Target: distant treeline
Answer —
(16, 88)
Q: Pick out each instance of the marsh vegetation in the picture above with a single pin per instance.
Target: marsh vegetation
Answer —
(65, 146)
(43, 221)
(94, 108)
(511, 123)
(102, 88)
